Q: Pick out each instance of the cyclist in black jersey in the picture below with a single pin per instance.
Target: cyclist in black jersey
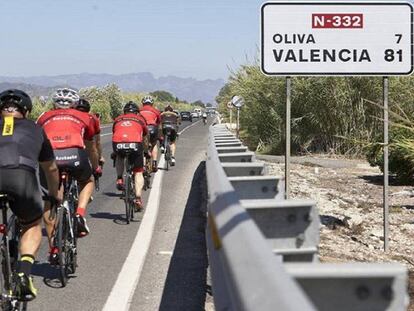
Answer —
(23, 145)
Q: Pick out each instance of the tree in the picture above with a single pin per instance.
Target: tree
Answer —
(198, 103)
(164, 96)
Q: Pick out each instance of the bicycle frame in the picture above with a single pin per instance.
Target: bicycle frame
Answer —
(64, 237)
(9, 256)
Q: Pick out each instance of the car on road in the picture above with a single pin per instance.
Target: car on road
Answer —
(186, 116)
(195, 115)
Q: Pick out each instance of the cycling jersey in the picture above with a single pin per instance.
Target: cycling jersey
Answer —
(129, 128)
(169, 117)
(24, 145)
(96, 123)
(67, 128)
(150, 114)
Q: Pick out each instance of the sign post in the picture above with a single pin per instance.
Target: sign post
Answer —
(385, 168)
(287, 148)
(338, 38)
(237, 102)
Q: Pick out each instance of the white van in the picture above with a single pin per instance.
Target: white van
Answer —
(198, 111)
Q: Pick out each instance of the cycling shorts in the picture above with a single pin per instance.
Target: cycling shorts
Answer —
(153, 134)
(75, 161)
(134, 152)
(170, 131)
(22, 185)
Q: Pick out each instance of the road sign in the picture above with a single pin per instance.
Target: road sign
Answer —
(237, 101)
(337, 38)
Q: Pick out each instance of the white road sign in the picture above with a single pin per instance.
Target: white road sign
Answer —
(337, 38)
(237, 101)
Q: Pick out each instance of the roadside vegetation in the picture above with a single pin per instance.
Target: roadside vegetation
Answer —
(335, 115)
(109, 100)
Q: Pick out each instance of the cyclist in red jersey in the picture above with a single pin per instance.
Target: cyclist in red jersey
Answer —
(129, 130)
(152, 116)
(70, 132)
(85, 106)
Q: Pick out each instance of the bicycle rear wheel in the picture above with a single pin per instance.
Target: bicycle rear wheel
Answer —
(167, 155)
(60, 244)
(127, 197)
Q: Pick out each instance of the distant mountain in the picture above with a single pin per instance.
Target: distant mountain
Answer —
(188, 89)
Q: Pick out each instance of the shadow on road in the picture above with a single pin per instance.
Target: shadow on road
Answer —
(119, 219)
(186, 284)
(112, 194)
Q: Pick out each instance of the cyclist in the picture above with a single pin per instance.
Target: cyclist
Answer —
(152, 117)
(128, 131)
(204, 117)
(23, 145)
(71, 133)
(170, 120)
(85, 106)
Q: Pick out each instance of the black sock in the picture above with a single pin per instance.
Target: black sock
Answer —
(25, 264)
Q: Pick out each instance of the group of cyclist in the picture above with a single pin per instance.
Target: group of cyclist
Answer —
(67, 139)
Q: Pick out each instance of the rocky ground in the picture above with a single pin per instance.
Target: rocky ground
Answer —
(350, 204)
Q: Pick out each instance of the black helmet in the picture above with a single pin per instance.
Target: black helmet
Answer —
(131, 107)
(83, 105)
(168, 108)
(17, 98)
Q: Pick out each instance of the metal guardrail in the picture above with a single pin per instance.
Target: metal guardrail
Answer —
(263, 249)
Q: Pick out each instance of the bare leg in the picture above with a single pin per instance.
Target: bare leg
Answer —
(139, 184)
(31, 238)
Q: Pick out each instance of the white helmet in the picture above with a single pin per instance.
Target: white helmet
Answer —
(65, 98)
(147, 100)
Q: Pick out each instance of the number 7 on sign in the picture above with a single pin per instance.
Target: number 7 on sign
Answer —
(399, 36)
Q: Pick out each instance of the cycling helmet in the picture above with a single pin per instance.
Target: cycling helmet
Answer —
(83, 105)
(131, 107)
(147, 100)
(17, 98)
(65, 98)
(169, 108)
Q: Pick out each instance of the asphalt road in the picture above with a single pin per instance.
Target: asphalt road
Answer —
(174, 274)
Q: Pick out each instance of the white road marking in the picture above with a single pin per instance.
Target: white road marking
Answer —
(106, 134)
(123, 290)
(179, 133)
(165, 252)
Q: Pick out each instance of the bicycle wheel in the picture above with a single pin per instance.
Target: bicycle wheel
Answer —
(60, 241)
(167, 155)
(127, 197)
(73, 263)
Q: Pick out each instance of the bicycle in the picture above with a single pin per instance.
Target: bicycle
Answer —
(9, 255)
(96, 177)
(147, 172)
(65, 232)
(167, 148)
(128, 194)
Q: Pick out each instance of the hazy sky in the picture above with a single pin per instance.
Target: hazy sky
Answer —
(184, 38)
